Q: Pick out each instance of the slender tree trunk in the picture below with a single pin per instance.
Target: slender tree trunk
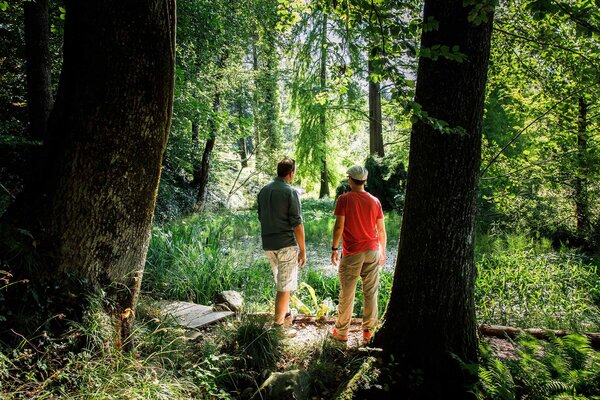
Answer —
(431, 312)
(37, 55)
(201, 174)
(258, 156)
(375, 126)
(243, 149)
(243, 152)
(581, 196)
(93, 204)
(267, 104)
(195, 128)
(324, 190)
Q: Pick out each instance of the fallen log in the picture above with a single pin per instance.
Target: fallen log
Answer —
(498, 331)
(508, 331)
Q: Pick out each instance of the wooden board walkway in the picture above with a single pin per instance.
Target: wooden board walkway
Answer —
(193, 316)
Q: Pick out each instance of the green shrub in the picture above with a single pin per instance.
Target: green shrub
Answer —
(563, 368)
(255, 341)
(525, 283)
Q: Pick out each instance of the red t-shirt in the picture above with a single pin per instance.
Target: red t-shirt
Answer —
(361, 211)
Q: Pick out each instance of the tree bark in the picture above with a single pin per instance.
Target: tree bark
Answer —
(243, 148)
(93, 204)
(375, 125)
(324, 189)
(37, 55)
(243, 152)
(255, 106)
(581, 198)
(201, 174)
(431, 312)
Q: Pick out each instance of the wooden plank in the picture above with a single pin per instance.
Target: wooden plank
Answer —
(193, 315)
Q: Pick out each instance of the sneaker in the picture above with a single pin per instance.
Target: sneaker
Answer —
(337, 336)
(290, 316)
(367, 336)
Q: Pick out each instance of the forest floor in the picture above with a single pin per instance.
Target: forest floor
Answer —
(309, 332)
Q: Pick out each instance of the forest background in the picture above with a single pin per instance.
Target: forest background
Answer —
(331, 85)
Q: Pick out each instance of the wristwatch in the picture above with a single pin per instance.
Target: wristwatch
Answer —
(334, 248)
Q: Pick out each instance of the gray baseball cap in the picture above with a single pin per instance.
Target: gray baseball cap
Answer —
(358, 173)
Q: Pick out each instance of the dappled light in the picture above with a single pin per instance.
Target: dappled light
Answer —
(307, 199)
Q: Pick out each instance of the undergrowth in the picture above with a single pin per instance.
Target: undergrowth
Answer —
(562, 368)
(527, 283)
(521, 281)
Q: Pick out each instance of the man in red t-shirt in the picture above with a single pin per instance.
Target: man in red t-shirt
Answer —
(359, 223)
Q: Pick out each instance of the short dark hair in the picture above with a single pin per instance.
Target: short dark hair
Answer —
(356, 181)
(285, 166)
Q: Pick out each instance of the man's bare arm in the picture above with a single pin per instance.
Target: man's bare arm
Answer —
(338, 229)
(381, 234)
(299, 233)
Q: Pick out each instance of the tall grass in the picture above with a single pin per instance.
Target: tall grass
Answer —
(521, 281)
(197, 257)
(85, 364)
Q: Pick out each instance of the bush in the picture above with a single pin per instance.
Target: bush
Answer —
(255, 341)
(563, 368)
(525, 283)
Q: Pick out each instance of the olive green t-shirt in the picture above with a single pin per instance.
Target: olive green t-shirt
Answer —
(279, 212)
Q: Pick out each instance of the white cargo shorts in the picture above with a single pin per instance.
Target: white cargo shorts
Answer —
(284, 263)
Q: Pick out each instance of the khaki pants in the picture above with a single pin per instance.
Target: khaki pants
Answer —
(366, 266)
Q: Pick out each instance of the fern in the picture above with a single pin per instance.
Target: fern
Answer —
(563, 368)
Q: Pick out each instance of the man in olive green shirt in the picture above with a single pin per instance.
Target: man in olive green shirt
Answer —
(282, 233)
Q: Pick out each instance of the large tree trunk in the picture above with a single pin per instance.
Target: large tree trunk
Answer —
(37, 55)
(431, 313)
(324, 189)
(581, 197)
(93, 205)
(375, 125)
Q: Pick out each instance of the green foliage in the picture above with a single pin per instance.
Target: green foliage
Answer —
(85, 363)
(563, 368)
(387, 181)
(183, 258)
(543, 143)
(327, 364)
(255, 341)
(525, 283)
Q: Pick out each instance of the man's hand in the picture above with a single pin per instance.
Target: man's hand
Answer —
(382, 256)
(334, 257)
(301, 258)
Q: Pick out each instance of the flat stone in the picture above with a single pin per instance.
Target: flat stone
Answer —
(193, 315)
(284, 386)
(232, 299)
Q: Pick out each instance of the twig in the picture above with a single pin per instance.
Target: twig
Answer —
(233, 188)
(8, 191)
(511, 141)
